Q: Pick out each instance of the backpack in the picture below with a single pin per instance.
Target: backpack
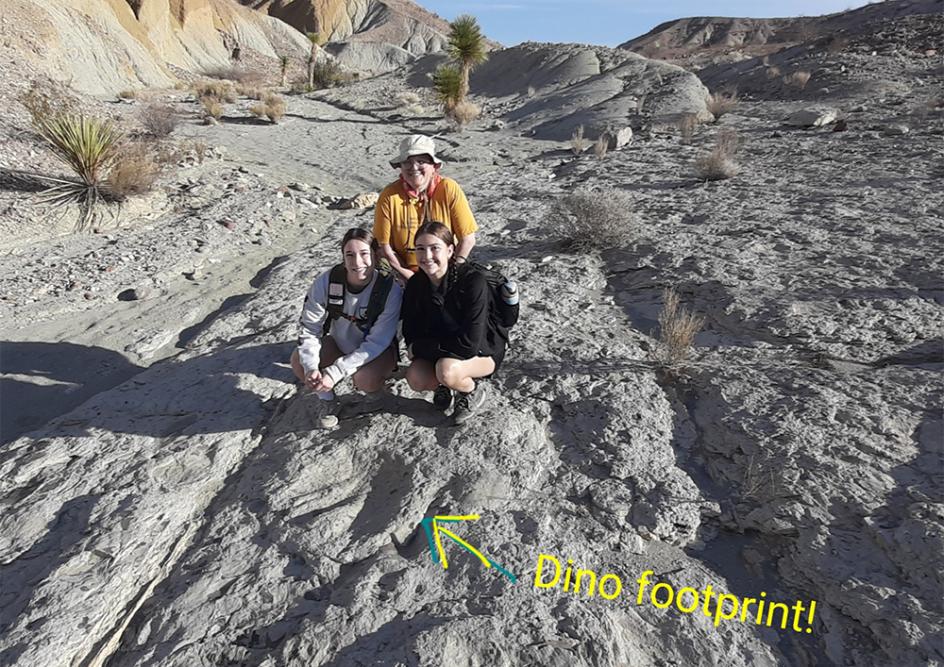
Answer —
(337, 288)
(506, 313)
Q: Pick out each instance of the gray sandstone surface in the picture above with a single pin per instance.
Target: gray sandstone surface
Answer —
(168, 497)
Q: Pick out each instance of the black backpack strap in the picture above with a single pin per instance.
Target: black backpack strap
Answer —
(336, 290)
(378, 300)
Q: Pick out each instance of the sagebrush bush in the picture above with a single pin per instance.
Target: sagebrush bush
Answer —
(677, 329)
(127, 94)
(594, 220)
(464, 113)
(274, 107)
(221, 90)
(250, 91)
(212, 107)
(43, 100)
(721, 103)
(232, 73)
(577, 142)
(134, 173)
(719, 164)
(159, 120)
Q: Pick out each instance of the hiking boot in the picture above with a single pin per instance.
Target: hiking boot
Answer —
(467, 404)
(442, 397)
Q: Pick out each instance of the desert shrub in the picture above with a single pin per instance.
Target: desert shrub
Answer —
(447, 84)
(414, 110)
(773, 72)
(274, 107)
(719, 164)
(258, 110)
(721, 103)
(686, 125)
(578, 144)
(250, 91)
(677, 329)
(594, 220)
(232, 73)
(327, 74)
(43, 100)
(159, 120)
(464, 113)
(88, 146)
(212, 107)
(601, 145)
(797, 79)
(133, 173)
(221, 90)
(127, 94)
(406, 98)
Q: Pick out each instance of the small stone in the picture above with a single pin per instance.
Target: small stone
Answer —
(328, 421)
(812, 118)
(547, 259)
(896, 129)
(620, 138)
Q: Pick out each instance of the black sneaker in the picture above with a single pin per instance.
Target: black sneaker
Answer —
(442, 397)
(467, 404)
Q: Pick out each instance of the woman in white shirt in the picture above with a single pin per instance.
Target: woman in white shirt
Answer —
(349, 322)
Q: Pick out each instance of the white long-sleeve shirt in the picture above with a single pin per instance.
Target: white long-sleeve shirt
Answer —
(356, 348)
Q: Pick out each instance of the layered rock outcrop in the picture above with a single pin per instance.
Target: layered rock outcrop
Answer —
(102, 46)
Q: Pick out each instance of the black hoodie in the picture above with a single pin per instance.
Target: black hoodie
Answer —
(454, 320)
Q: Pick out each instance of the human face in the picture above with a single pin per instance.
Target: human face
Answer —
(418, 170)
(359, 262)
(433, 256)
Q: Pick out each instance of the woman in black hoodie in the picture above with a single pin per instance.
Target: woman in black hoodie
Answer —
(451, 332)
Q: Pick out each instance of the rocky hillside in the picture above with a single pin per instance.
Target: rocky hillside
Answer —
(705, 37)
(398, 22)
(104, 46)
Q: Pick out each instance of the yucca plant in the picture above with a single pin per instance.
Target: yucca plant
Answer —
(466, 48)
(88, 146)
(447, 83)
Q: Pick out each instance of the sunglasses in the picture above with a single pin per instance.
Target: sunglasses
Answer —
(420, 160)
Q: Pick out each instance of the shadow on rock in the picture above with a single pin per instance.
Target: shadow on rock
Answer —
(217, 392)
(41, 381)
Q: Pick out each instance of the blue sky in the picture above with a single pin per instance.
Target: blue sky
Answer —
(609, 22)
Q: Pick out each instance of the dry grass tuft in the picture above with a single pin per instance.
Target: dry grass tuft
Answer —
(250, 91)
(601, 145)
(687, 123)
(274, 107)
(327, 74)
(134, 173)
(797, 79)
(159, 120)
(221, 90)
(578, 144)
(677, 329)
(594, 220)
(721, 103)
(212, 107)
(128, 94)
(407, 98)
(773, 72)
(719, 164)
(464, 113)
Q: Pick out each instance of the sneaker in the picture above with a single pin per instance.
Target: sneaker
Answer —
(442, 397)
(467, 404)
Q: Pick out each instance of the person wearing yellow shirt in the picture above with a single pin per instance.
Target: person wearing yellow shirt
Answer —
(419, 195)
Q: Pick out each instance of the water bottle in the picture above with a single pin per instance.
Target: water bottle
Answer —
(509, 293)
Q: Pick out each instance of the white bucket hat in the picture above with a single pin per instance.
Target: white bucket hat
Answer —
(415, 144)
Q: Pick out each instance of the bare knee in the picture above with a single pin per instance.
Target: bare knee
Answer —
(368, 382)
(420, 377)
(449, 373)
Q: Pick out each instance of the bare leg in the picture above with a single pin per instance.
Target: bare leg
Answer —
(460, 374)
(370, 377)
(421, 375)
